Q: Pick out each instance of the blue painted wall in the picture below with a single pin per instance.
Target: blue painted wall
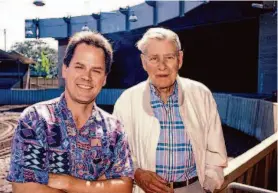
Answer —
(56, 28)
(112, 22)
(267, 82)
(168, 10)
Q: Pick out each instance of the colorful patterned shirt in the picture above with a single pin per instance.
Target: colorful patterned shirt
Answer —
(46, 141)
(174, 157)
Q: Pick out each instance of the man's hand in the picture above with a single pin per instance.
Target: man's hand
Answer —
(103, 177)
(150, 182)
(61, 182)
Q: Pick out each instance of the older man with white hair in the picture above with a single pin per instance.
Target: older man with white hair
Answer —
(172, 123)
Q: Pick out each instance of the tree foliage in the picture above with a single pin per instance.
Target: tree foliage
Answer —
(46, 58)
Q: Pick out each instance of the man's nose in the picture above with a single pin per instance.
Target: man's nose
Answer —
(162, 64)
(87, 76)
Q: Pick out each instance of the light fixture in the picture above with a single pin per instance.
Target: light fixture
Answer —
(133, 17)
(267, 5)
(39, 3)
(29, 32)
(85, 28)
(257, 5)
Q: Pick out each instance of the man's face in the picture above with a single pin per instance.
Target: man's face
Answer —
(85, 75)
(162, 62)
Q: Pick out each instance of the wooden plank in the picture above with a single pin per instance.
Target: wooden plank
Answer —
(255, 176)
(274, 158)
(260, 174)
(249, 176)
(266, 171)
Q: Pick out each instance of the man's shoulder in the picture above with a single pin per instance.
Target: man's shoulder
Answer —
(107, 116)
(39, 107)
(111, 121)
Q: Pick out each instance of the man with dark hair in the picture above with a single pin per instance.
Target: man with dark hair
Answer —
(68, 143)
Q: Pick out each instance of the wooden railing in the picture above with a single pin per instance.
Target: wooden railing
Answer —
(255, 167)
(41, 83)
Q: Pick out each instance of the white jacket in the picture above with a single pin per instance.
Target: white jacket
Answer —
(200, 116)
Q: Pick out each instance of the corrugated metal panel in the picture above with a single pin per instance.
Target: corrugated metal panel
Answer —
(266, 123)
(26, 97)
(108, 96)
(5, 97)
(222, 101)
(15, 97)
(52, 93)
(242, 114)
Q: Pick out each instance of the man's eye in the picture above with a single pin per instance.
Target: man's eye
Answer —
(96, 71)
(153, 59)
(79, 67)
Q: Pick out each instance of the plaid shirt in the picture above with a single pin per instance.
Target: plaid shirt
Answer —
(46, 141)
(174, 157)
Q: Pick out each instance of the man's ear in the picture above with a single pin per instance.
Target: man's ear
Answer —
(143, 60)
(64, 71)
(180, 58)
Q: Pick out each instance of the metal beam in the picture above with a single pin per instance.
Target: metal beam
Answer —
(153, 4)
(246, 188)
(97, 18)
(68, 21)
(181, 6)
(126, 11)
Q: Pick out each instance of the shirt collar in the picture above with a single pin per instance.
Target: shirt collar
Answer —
(155, 95)
(63, 108)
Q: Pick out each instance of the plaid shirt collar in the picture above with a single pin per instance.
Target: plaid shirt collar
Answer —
(156, 97)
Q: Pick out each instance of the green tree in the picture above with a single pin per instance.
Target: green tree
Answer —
(46, 58)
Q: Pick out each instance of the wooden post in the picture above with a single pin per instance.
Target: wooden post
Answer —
(27, 86)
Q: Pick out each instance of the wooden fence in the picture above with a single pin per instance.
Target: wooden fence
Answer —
(256, 167)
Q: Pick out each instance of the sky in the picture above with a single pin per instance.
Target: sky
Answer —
(14, 12)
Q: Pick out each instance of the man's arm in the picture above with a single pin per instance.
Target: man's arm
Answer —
(28, 169)
(118, 178)
(216, 155)
(33, 187)
(72, 184)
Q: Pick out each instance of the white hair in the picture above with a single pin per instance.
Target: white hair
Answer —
(158, 33)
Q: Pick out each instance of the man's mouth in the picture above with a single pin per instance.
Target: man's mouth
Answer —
(84, 86)
(162, 75)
